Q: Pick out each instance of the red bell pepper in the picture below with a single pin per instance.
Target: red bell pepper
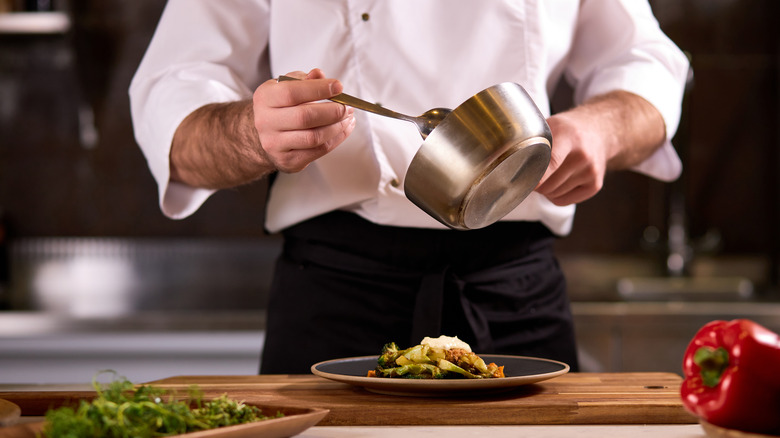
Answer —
(732, 376)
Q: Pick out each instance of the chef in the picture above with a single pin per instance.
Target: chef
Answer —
(362, 265)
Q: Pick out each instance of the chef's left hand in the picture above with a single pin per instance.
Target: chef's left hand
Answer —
(579, 159)
(612, 131)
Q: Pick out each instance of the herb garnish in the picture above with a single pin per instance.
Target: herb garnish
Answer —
(123, 410)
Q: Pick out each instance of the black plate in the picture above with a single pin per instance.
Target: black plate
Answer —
(518, 370)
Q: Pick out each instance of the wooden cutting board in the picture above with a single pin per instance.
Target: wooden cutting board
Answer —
(574, 398)
(9, 413)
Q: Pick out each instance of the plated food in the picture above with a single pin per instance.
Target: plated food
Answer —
(519, 371)
(438, 367)
(434, 358)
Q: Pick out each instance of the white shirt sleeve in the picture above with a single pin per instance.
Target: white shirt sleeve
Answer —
(207, 51)
(202, 52)
(618, 45)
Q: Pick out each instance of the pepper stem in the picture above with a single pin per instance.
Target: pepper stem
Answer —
(713, 362)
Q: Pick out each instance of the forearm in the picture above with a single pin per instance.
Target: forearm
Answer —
(633, 128)
(217, 147)
(613, 131)
(283, 128)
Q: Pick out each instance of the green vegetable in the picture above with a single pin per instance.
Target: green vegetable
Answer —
(425, 362)
(417, 354)
(413, 371)
(389, 354)
(448, 366)
(122, 410)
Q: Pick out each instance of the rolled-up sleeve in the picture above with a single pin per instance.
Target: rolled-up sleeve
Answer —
(620, 46)
(202, 52)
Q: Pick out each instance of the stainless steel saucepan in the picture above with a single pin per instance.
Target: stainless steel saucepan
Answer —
(477, 162)
(482, 160)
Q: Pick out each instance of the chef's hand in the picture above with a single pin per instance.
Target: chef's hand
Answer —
(578, 162)
(283, 128)
(294, 125)
(613, 131)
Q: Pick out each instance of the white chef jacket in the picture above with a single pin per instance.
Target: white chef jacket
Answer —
(408, 55)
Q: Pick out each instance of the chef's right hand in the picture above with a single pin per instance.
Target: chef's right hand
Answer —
(296, 124)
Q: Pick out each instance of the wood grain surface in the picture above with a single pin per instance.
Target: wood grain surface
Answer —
(9, 412)
(574, 398)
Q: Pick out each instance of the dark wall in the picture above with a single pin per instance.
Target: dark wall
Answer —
(54, 184)
(728, 140)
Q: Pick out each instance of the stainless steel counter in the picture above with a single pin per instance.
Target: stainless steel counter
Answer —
(106, 277)
(652, 336)
(49, 348)
(55, 348)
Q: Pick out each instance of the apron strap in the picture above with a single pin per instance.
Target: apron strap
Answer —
(428, 306)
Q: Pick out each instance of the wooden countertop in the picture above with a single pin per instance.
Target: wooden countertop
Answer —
(571, 399)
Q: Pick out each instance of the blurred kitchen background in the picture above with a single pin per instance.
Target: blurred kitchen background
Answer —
(92, 276)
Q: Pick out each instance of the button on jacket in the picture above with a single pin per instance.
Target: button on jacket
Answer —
(408, 55)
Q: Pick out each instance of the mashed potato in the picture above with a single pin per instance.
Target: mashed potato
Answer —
(445, 343)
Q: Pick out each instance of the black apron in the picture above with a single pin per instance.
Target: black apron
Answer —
(344, 287)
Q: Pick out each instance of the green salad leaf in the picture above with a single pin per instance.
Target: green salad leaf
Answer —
(121, 409)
